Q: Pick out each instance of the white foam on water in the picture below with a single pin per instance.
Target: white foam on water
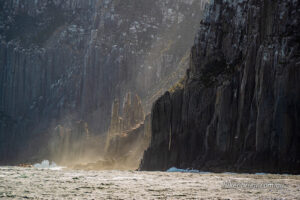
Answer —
(260, 173)
(174, 169)
(46, 165)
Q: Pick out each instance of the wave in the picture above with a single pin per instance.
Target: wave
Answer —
(174, 169)
(46, 165)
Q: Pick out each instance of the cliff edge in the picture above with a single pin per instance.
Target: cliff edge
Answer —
(239, 106)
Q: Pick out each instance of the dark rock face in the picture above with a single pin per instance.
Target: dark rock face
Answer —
(239, 109)
(67, 60)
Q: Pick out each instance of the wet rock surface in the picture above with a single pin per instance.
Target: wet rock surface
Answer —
(31, 183)
(239, 107)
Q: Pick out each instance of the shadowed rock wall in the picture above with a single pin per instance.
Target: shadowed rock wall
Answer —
(239, 107)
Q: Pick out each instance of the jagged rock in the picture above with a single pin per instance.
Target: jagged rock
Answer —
(116, 121)
(127, 150)
(133, 113)
(128, 135)
(239, 108)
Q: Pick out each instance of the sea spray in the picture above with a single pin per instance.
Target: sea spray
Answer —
(45, 164)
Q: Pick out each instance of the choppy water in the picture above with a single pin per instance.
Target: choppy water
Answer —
(33, 183)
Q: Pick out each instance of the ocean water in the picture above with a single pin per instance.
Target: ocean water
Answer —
(48, 181)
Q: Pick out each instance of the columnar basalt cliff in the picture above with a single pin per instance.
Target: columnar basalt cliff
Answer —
(239, 106)
(67, 60)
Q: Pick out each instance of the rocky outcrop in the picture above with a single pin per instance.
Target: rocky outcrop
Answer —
(116, 121)
(126, 150)
(70, 59)
(132, 115)
(239, 108)
(129, 134)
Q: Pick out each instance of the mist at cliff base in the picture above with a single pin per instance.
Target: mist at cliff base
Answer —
(93, 158)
